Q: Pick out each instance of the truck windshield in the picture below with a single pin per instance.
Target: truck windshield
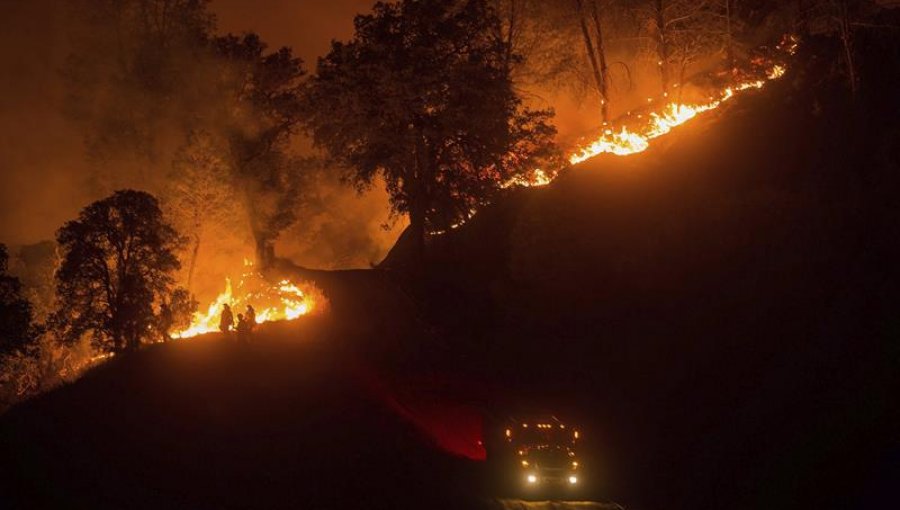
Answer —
(545, 436)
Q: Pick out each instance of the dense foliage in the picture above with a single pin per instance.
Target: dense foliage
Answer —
(117, 268)
(16, 328)
(422, 96)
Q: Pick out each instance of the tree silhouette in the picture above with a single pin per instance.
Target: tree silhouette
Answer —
(17, 331)
(175, 313)
(596, 52)
(422, 96)
(265, 109)
(118, 260)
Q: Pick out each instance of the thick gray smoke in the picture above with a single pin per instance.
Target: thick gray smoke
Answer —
(48, 174)
(42, 162)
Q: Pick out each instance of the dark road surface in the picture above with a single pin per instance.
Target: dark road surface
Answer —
(518, 504)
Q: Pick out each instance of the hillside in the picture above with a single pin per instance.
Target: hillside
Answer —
(718, 308)
(291, 421)
(717, 313)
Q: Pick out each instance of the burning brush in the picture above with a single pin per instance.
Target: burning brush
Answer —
(284, 300)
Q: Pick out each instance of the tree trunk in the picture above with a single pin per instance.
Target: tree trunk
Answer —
(417, 232)
(265, 250)
(511, 34)
(418, 207)
(662, 46)
(729, 43)
(847, 42)
(117, 329)
(601, 57)
(118, 344)
(592, 57)
(193, 262)
(132, 340)
(264, 247)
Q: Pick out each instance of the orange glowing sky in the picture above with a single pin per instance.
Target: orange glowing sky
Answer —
(307, 26)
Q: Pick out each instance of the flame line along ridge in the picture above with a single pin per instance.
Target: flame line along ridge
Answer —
(625, 142)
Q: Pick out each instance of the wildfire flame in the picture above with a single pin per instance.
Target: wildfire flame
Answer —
(626, 141)
(538, 177)
(284, 300)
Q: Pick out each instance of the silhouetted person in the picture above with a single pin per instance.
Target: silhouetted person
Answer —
(250, 315)
(227, 320)
(243, 329)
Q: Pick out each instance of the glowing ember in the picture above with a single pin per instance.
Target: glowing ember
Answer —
(538, 177)
(284, 300)
(777, 71)
(626, 141)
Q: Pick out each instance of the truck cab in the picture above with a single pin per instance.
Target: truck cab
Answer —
(544, 452)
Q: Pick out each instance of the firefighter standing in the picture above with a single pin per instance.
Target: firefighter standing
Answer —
(227, 320)
(250, 316)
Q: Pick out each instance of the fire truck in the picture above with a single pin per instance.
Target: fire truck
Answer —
(543, 452)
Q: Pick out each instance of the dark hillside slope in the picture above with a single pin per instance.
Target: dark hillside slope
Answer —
(288, 422)
(720, 308)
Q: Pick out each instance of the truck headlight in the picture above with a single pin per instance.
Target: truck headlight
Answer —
(532, 478)
(573, 480)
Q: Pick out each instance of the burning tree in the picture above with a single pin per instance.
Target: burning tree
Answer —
(117, 269)
(422, 96)
(31, 360)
